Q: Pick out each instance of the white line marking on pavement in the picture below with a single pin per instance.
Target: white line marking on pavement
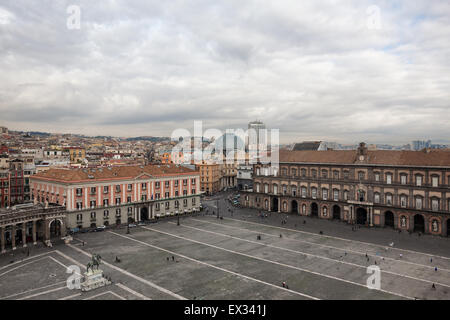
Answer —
(332, 237)
(137, 294)
(70, 297)
(151, 284)
(296, 251)
(103, 293)
(273, 262)
(70, 259)
(41, 293)
(212, 266)
(23, 260)
(23, 265)
(31, 290)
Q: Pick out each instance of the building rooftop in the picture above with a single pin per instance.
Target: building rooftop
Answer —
(111, 173)
(424, 158)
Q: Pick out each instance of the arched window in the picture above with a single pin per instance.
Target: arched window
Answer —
(435, 204)
(335, 194)
(403, 201)
(304, 192)
(294, 191)
(376, 197)
(389, 198)
(419, 202)
(324, 194)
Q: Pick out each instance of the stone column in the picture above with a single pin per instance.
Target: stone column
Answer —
(34, 232)
(2, 239)
(62, 229)
(139, 214)
(279, 204)
(46, 230)
(24, 234)
(13, 236)
(371, 216)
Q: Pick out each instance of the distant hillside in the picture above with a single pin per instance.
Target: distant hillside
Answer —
(151, 139)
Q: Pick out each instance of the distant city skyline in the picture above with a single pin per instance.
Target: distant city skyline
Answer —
(345, 143)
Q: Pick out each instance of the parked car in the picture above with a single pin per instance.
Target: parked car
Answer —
(132, 225)
(100, 228)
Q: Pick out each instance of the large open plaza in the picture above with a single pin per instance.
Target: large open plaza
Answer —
(239, 256)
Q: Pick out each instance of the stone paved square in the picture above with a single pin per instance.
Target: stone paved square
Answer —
(209, 258)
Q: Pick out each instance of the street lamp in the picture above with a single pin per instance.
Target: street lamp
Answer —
(217, 201)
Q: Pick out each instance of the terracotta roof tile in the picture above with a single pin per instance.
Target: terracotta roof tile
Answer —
(111, 173)
(433, 157)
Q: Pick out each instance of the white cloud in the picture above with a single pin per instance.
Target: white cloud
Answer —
(310, 68)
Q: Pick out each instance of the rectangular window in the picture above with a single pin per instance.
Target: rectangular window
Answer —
(303, 192)
(324, 194)
(117, 188)
(314, 193)
(418, 203)
(128, 199)
(403, 201)
(79, 192)
(403, 179)
(418, 181)
(105, 189)
(435, 181)
(376, 198)
(389, 199)
(377, 177)
(157, 184)
(144, 186)
(388, 178)
(167, 184)
(130, 187)
(105, 202)
(435, 204)
(336, 195)
(93, 190)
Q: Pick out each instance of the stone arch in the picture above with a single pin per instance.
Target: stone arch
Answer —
(419, 223)
(336, 212)
(361, 216)
(294, 206)
(314, 210)
(389, 219)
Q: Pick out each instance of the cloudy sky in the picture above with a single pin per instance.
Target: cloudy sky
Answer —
(346, 71)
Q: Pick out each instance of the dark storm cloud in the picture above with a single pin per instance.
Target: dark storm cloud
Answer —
(313, 69)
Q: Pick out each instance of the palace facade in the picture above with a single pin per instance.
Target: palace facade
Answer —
(408, 190)
(118, 195)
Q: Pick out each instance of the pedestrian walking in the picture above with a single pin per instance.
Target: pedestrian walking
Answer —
(173, 258)
(431, 260)
(435, 268)
(401, 255)
(283, 284)
(433, 286)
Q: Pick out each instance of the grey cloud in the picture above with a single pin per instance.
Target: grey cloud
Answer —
(312, 69)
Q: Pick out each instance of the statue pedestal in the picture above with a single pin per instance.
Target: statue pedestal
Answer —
(94, 279)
